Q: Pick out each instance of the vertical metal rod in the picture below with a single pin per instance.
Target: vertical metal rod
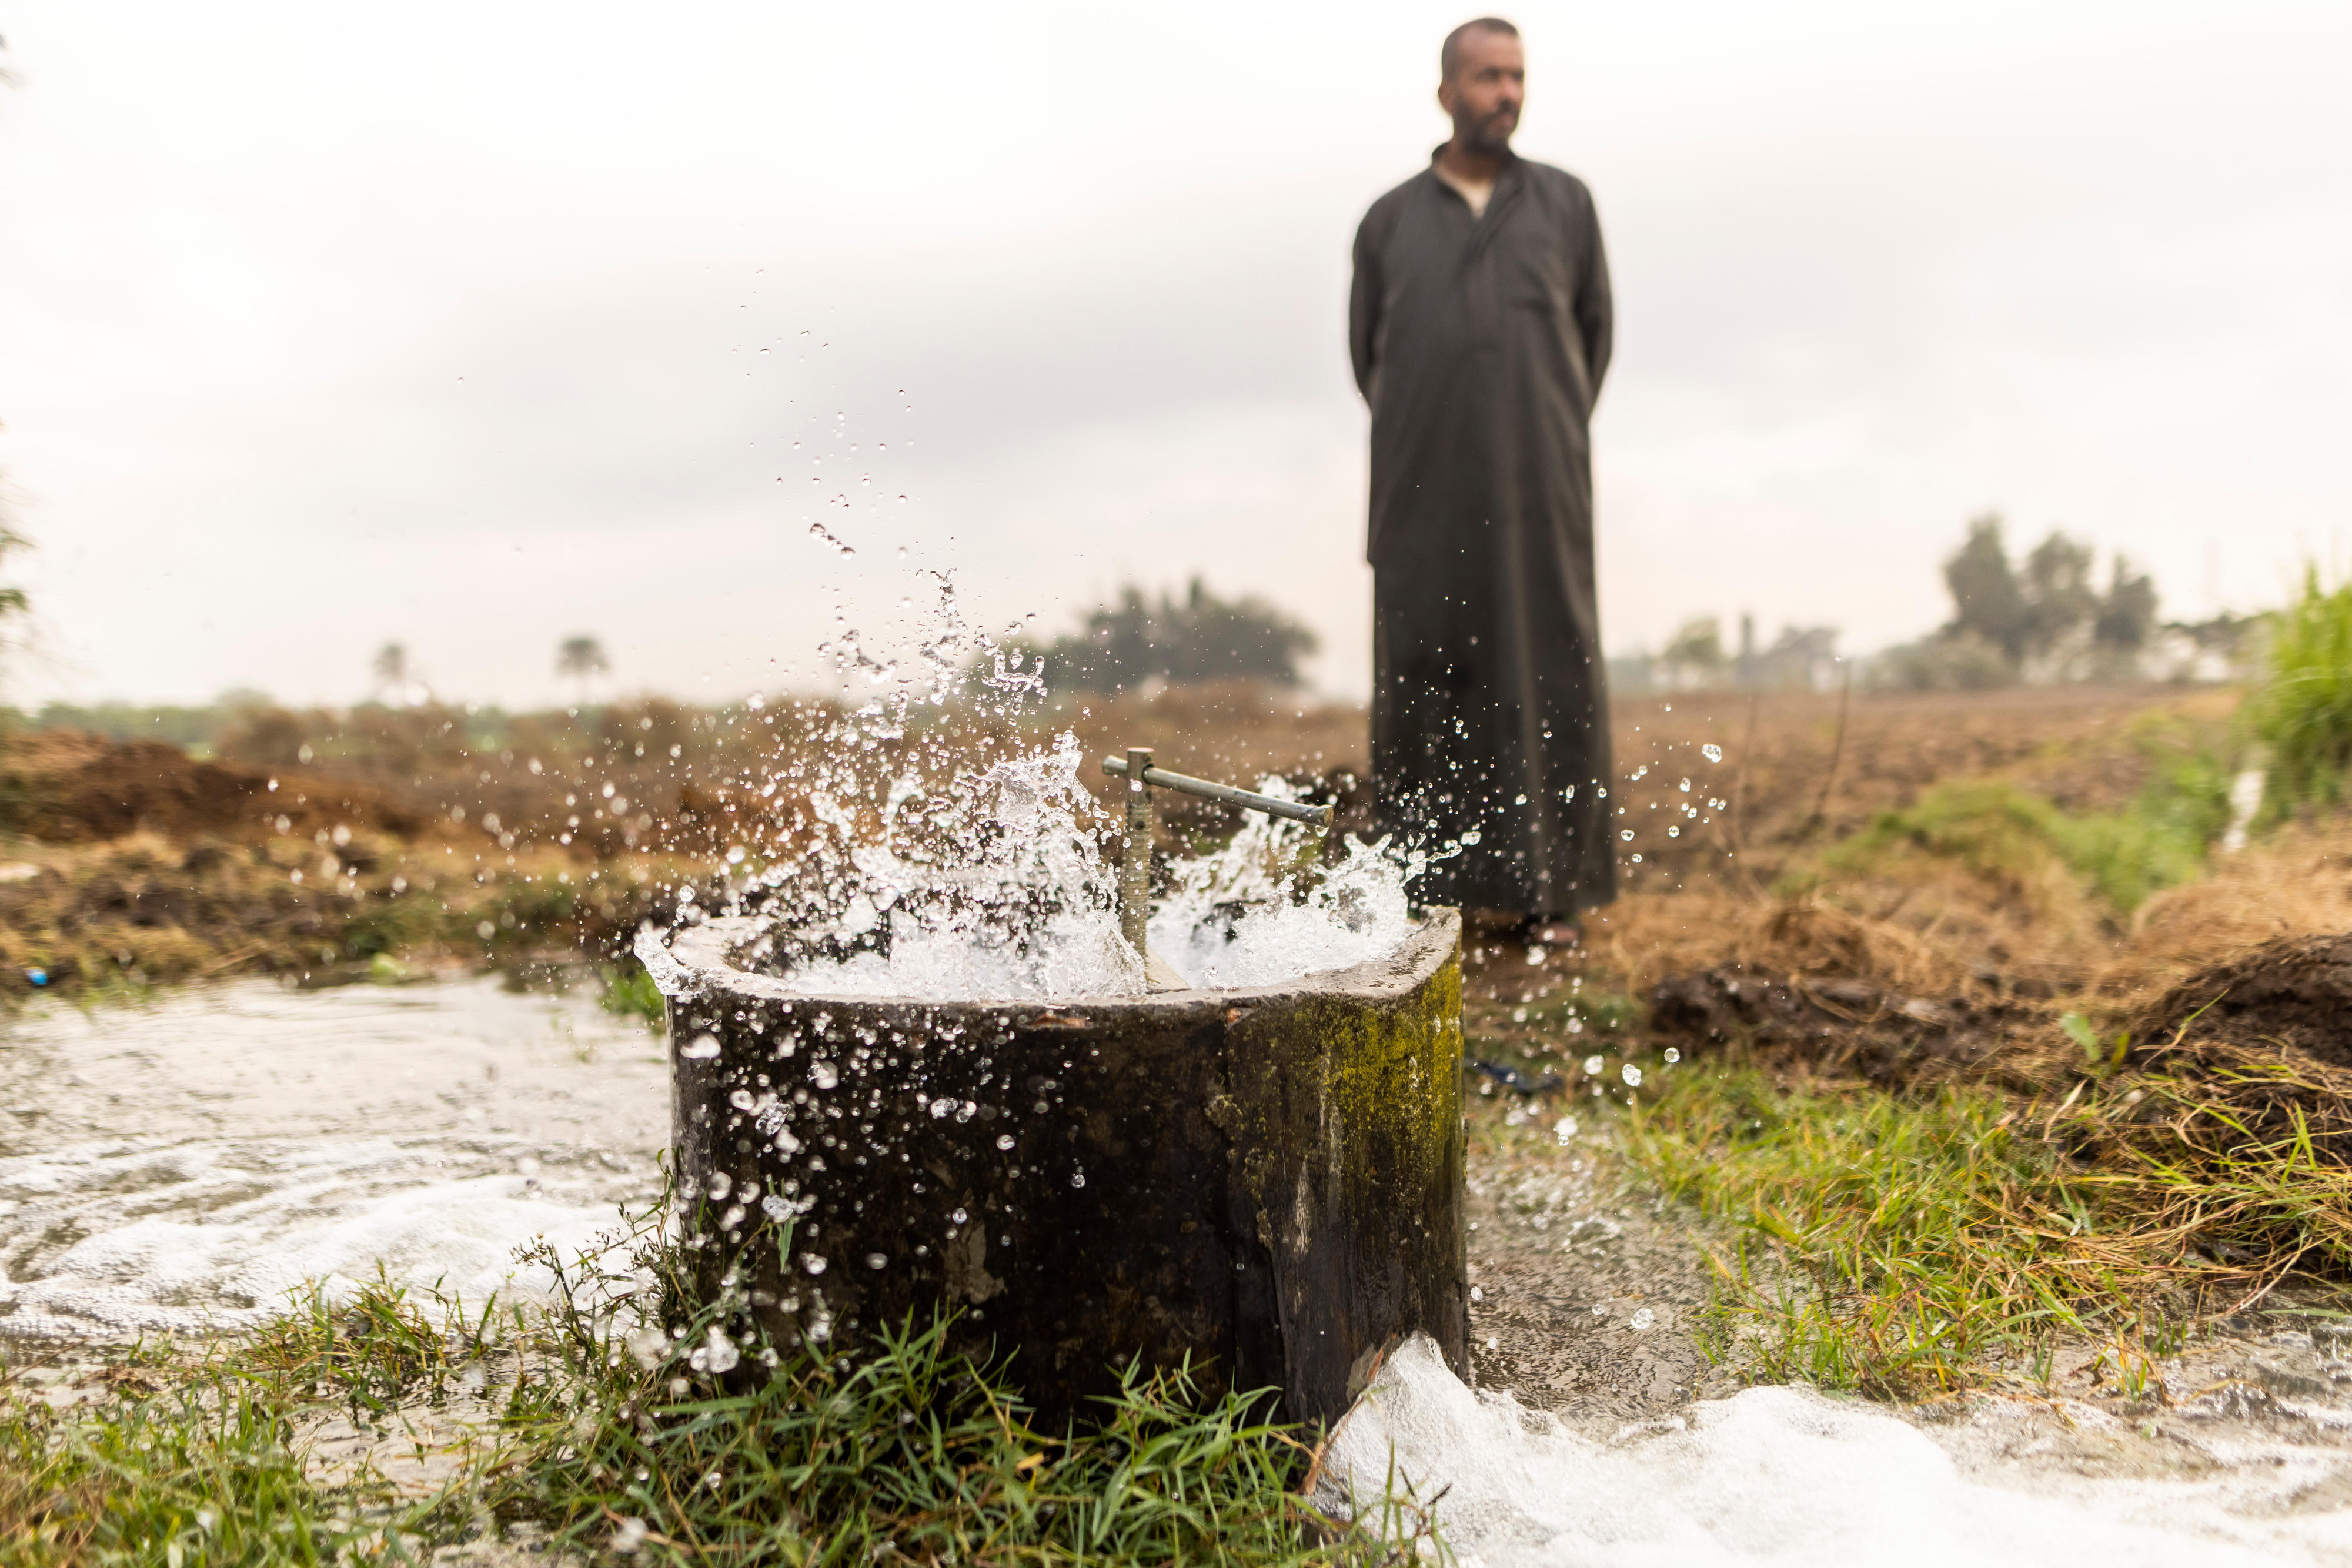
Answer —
(1134, 869)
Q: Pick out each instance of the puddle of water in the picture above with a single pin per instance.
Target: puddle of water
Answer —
(185, 1164)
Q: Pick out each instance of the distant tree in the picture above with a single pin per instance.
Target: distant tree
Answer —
(1200, 637)
(2060, 600)
(1987, 602)
(1696, 649)
(2050, 617)
(583, 659)
(2127, 615)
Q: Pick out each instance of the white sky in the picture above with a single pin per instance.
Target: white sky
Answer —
(477, 325)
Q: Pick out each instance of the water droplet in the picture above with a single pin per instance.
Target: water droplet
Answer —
(701, 1048)
(813, 1264)
(877, 1260)
(1712, 753)
(1642, 1319)
(1593, 1067)
(1626, 834)
(1673, 1056)
(1630, 1074)
(1566, 1129)
(1004, 1140)
(1478, 1293)
(1078, 1178)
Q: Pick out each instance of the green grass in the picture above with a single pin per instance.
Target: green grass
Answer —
(611, 1438)
(2004, 831)
(1905, 1246)
(187, 1457)
(1877, 1246)
(2303, 714)
(626, 989)
(902, 1448)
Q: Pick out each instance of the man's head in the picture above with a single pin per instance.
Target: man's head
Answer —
(1482, 82)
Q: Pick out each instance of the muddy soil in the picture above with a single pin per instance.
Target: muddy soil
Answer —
(2292, 991)
(1584, 1301)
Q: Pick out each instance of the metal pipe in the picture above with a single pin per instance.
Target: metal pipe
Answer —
(1135, 868)
(1161, 778)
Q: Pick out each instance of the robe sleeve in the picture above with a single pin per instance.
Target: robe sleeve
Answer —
(1364, 308)
(1596, 316)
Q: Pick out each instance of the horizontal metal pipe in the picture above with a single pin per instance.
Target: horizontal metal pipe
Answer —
(1161, 778)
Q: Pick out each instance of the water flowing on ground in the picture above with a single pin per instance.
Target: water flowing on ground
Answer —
(185, 1163)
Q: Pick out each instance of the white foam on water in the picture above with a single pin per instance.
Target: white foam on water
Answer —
(1778, 1475)
(184, 1165)
(1009, 897)
(1261, 911)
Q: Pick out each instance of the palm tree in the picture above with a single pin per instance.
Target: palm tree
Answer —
(582, 658)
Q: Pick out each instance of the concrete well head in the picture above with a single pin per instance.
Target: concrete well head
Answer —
(1268, 1182)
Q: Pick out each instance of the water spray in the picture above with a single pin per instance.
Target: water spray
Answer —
(1135, 868)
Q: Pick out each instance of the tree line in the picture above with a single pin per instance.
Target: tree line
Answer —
(2049, 616)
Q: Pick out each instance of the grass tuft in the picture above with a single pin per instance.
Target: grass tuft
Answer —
(1909, 1245)
(704, 1442)
(2023, 844)
(627, 990)
(623, 1423)
(2303, 714)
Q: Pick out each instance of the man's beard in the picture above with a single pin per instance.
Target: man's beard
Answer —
(1492, 134)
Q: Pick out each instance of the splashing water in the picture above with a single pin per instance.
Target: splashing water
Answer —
(1260, 912)
(941, 863)
(1001, 892)
(1013, 898)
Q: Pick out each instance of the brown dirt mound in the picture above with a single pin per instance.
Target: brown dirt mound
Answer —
(66, 786)
(1841, 1026)
(2291, 992)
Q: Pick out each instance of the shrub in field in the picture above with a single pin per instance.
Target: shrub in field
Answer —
(2303, 714)
(2020, 841)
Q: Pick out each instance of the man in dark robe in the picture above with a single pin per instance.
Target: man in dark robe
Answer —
(1479, 325)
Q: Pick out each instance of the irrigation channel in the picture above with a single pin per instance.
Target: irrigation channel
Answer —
(184, 1163)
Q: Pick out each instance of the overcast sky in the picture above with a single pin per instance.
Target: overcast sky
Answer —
(474, 326)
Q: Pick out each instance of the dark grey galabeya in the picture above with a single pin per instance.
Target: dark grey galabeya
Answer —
(1480, 342)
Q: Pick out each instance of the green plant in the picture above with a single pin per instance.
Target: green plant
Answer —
(2096, 1054)
(2016, 838)
(1868, 1247)
(628, 991)
(2303, 712)
(693, 1437)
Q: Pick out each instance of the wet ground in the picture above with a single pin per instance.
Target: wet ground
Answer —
(1583, 1298)
(1585, 1305)
(185, 1163)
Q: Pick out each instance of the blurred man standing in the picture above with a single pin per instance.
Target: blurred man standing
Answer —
(1479, 326)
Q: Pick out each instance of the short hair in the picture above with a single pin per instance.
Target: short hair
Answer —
(1449, 57)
